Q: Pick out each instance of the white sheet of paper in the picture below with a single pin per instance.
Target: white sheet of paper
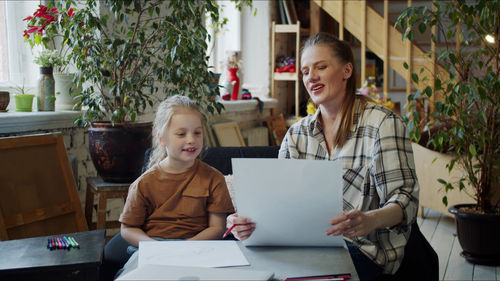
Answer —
(291, 201)
(191, 253)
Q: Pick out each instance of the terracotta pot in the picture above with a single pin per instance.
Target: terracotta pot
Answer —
(4, 100)
(118, 151)
(478, 235)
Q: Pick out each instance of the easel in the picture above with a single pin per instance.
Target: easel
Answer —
(39, 194)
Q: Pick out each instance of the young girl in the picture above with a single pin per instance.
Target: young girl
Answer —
(179, 196)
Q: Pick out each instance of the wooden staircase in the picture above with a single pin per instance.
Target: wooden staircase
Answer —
(376, 33)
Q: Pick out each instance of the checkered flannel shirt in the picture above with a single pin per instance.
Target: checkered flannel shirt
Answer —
(378, 169)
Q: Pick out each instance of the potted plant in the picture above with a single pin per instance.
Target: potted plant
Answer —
(44, 29)
(465, 122)
(24, 101)
(47, 60)
(129, 55)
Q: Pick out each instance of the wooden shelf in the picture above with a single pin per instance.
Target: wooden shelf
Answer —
(285, 76)
(285, 28)
(290, 29)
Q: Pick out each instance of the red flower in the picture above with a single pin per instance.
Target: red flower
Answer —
(28, 18)
(32, 28)
(70, 13)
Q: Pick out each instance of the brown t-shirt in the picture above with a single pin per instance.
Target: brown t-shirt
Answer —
(176, 205)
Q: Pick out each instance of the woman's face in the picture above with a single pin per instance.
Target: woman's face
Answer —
(324, 76)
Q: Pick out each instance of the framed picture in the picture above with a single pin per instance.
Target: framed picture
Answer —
(228, 134)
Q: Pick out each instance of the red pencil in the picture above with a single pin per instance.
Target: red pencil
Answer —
(228, 231)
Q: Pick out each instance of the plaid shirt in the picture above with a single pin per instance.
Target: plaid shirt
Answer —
(378, 169)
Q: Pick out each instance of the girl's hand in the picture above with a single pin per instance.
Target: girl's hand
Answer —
(243, 227)
(351, 224)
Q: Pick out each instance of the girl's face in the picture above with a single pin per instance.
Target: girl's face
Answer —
(183, 138)
(324, 76)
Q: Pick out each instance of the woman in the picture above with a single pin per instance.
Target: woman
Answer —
(380, 184)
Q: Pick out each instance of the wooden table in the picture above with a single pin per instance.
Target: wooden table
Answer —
(30, 259)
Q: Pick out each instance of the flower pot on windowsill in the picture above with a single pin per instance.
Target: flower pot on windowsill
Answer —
(63, 83)
(4, 100)
(24, 102)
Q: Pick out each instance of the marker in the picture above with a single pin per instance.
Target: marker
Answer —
(67, 242)
(61, 245)
(49, 244)
(74, 241)
(71, 244)
(53, 245)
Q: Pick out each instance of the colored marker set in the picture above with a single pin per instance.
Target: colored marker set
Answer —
(64, 242)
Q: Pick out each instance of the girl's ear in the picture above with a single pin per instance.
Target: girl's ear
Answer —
(161, 139)
(347, 70)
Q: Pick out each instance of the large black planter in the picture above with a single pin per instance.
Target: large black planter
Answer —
(118, 151)
(478, 235)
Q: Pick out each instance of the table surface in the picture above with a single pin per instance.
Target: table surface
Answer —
(32, 253)
(288, 261)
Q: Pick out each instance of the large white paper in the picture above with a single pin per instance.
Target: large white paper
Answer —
(191, 253)
(291, 201)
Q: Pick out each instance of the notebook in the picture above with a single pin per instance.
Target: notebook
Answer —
(291, 201)
(165, 272)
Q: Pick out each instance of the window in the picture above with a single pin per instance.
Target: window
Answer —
(16, 60)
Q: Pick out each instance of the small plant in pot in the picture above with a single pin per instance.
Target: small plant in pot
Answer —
(466, 109)
(24, 101)
(131, 55)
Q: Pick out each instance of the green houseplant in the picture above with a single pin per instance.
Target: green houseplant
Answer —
(465, 121)
(131, 54)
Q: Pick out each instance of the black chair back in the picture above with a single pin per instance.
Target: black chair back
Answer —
(420, 261)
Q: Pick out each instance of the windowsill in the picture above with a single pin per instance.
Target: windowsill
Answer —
(15, 122)
(246, 105)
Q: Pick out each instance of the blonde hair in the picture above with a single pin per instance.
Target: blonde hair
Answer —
(164, 113)
(343, 52)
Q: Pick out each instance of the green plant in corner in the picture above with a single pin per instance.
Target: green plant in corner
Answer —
(467, 98)
(131, 52)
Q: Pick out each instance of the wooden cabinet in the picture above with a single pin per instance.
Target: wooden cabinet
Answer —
(288, 77)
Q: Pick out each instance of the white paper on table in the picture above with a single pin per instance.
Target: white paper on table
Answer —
(291, 201)
(191, 253)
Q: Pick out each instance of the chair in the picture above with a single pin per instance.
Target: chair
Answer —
(420, 261)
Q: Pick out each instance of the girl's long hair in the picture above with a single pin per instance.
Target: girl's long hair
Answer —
(164, 113)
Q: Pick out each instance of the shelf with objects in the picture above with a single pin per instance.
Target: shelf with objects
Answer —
(285, 68)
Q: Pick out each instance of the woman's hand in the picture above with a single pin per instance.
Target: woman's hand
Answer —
(352, 223)
(243, 227)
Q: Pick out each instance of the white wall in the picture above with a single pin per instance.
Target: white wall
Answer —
(249, 34)
(255, 48)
